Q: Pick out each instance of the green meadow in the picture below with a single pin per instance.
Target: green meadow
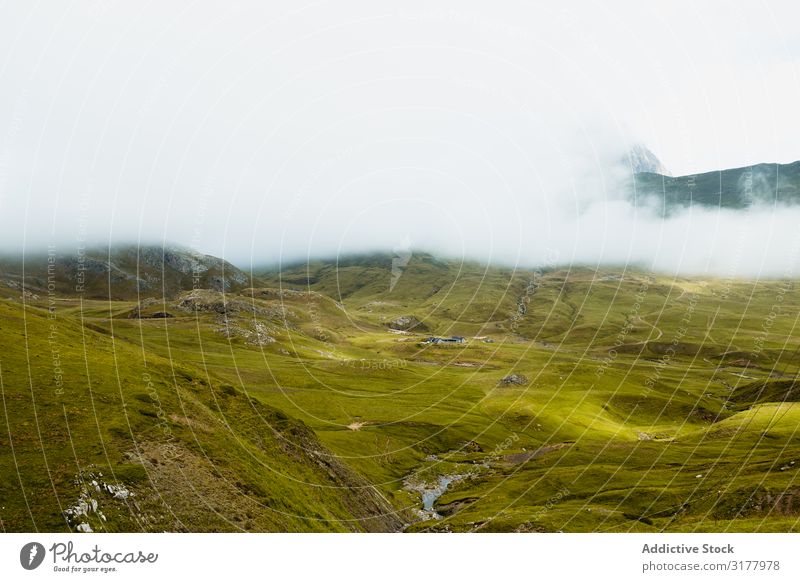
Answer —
(302, 400)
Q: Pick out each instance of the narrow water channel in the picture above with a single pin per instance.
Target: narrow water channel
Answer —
(429, 496)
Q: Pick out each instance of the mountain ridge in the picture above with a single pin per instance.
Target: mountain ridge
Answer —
(121, 271)
(733, 188)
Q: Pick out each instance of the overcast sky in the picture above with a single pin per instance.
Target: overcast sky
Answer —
(277, 129)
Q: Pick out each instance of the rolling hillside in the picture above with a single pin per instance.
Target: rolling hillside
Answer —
(580, 400)
(445, 296)
(100, 434)
(121, 272)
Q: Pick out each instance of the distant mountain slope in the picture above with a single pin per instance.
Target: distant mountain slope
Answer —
(447, 296)
(123, 272)
(368, 276)
(736, 188)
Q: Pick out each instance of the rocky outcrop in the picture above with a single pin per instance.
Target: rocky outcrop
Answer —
(407, 323)
(211, 301)
(514, 379)
(124, 272)
(254, 333)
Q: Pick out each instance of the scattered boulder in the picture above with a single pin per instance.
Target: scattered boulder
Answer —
(256, 334)
(471, 447)
(137, 312)
(161, 315)
(407, 323)
(93, 491)
(514, 379)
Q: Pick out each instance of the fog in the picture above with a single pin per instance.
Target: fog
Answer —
(274, 133)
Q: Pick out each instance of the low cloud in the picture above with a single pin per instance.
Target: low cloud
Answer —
(267, 134)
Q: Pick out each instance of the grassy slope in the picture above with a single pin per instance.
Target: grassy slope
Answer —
(651, 403)
(121, 272)
(450, 297)
(198, 455)
(433, 400)
(734, 188)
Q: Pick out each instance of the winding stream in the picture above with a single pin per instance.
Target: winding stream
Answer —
(429, 496)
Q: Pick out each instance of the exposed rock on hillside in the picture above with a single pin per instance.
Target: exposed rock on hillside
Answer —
(124, 272)
(407, 323)
(254, 333)
(208, 300)
(514, 379)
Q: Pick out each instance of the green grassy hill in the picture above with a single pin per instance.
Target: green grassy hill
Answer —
(100, 432)
(737, 188)
(446, 296)
(582, 400)
(121, 272)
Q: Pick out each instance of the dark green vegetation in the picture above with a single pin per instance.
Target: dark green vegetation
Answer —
(123, 273)
(770, 184)
(640, 403)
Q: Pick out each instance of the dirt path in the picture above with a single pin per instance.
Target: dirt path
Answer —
(637, 319)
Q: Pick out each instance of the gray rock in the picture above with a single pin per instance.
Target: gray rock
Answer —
(407, 323)
(515, 379)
